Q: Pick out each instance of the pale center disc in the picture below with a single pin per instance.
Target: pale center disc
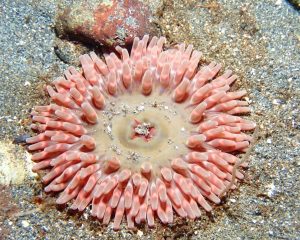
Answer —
(114, 133)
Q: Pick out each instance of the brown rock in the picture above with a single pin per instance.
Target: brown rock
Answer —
(108, 22)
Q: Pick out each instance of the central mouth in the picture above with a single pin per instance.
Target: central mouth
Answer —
(144, 130)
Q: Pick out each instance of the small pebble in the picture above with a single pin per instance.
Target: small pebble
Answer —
(271, 189)
(140, 233)
(25, 223)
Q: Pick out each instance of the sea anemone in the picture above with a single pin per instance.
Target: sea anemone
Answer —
(141, 135)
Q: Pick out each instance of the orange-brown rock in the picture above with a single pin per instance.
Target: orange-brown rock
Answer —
(108, 22)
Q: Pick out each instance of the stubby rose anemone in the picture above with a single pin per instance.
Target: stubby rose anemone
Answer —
(141, 135)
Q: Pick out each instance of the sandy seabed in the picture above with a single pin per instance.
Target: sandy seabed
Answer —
(258, 40)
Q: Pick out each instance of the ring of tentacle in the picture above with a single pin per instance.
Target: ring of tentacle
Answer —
(66, 148)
